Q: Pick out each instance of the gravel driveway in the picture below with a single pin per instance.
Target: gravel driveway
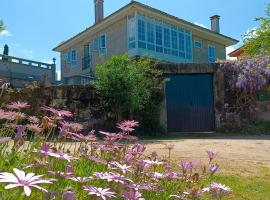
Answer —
(233, 152)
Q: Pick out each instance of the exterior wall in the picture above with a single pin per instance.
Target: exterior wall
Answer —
(201, 55)
(116, 43)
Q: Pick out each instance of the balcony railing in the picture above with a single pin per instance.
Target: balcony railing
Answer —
(26, 62)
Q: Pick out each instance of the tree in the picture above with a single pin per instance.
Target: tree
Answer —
(6, 50)
(127, 84)
(2, 26)
(257, 41)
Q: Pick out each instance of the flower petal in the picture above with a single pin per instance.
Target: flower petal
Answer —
(27, 190)
(20, 174)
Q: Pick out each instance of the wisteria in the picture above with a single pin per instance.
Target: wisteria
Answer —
(78, 164)
(244, 78)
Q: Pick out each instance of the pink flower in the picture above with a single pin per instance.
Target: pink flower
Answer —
(33, 119)
(71, 126)
(211, 155)
(5, 86)
(152, 163)
(17, 105)
(20, 179)
(69, 195)
(99, 192)
(81, 179)
(34, 128)
(110, 176)
(217, 190)
(59, 113)
(132, 195)
(127, 126)
(124, 168)
(186, 166)
(213, 169)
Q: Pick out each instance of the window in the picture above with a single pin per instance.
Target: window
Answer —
(150, 36)
(211, 53)
(198, 44)
(95, 44)
(87, 59)
(174, 42)
(67, 57)
(102, 44)
(167, 41)
(159, 42)
(188, 45)
(73, 57)
(141, 34)
(181, 40)
(131, 32)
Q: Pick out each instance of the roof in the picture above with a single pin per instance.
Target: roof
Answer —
(138, 4)
(238, 52)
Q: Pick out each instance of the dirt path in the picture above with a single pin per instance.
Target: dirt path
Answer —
(235, 152)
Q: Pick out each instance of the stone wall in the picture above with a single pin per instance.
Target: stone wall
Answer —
(83, 101)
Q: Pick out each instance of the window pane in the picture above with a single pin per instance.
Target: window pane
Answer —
(159, 43)
(141, 30)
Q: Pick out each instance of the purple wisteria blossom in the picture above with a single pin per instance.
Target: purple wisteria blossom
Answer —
(20, 179)
(99, 192)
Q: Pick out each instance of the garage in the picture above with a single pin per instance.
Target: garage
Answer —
(190, 103)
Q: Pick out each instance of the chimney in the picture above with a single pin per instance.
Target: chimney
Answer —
(99, 12)
(215, 23)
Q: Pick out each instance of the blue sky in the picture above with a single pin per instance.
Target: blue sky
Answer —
(34, 27)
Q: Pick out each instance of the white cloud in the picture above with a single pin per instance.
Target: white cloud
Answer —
(199, 24)
(5, 33)
(229, 50)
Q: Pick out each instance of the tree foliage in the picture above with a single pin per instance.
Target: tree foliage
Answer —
(257, 41)
(2, 26)
(128, 84)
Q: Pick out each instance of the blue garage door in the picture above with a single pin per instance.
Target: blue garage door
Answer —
(190, 103)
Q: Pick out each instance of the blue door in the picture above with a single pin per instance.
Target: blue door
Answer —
(190, 103)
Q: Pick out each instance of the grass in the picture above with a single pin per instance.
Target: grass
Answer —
(246, 188)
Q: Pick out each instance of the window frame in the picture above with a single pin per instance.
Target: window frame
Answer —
(74, 62)
(211, 58)
(103, 49)
(196, 42)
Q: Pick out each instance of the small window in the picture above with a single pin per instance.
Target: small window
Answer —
(102, 44)
(211, 54)
(74, 57)
(198, 44)
(95, 44)
(141, 34)
(150, 36)
(67, 57)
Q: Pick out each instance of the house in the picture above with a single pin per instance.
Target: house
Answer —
(237, 53)
(188, 53)
(20, 72)
(139, 30)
